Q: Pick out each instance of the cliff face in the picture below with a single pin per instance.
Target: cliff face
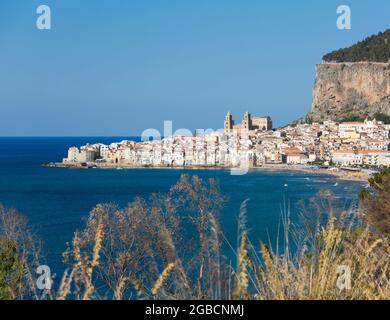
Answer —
(350, 89)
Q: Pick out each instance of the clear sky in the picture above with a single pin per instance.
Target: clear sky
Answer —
(115, 67)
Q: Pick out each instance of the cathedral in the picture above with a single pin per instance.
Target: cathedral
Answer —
(248, 123)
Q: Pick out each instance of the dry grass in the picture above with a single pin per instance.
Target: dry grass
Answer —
(169, 247)
(162, 278)
(165, 247)
(315, 273)
(148, 251)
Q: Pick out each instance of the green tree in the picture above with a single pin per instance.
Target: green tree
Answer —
(19, 257)
(376, 203)
(382, 117)
(12, 269)
(375, 48)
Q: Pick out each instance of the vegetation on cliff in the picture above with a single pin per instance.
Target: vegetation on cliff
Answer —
(382, 117)
(378, 116)
(374, 49)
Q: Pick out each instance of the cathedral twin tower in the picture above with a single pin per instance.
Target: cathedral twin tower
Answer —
(248, 123)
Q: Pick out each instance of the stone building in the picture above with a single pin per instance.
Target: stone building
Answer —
(84, 155)
(248, 123)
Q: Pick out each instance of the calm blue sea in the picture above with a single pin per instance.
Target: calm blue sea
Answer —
(56, 200)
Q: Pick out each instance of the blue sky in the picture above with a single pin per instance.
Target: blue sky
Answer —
(114, 67)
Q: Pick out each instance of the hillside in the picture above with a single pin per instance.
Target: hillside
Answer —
(353, 82)
(373, 49)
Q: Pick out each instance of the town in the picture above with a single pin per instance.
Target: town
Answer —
(254, 143)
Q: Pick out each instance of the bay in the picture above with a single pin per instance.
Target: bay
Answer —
(57, 200)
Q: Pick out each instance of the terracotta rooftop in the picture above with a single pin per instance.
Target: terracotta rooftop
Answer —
(359, 151)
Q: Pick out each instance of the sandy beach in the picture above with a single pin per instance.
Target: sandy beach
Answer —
(340, 173)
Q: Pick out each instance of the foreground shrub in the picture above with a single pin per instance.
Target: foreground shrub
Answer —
(166, 247)
(169, 247)
(343, 264)
(19, 256)
(149, 251)
(376, 204)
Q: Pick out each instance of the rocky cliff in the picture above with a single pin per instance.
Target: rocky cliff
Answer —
(346, 89)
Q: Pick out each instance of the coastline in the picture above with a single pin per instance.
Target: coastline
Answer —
(339, 173)
(342, 174)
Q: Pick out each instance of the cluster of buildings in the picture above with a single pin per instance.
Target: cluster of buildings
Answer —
(253, 142)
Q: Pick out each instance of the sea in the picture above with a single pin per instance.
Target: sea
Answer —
(57, 201)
